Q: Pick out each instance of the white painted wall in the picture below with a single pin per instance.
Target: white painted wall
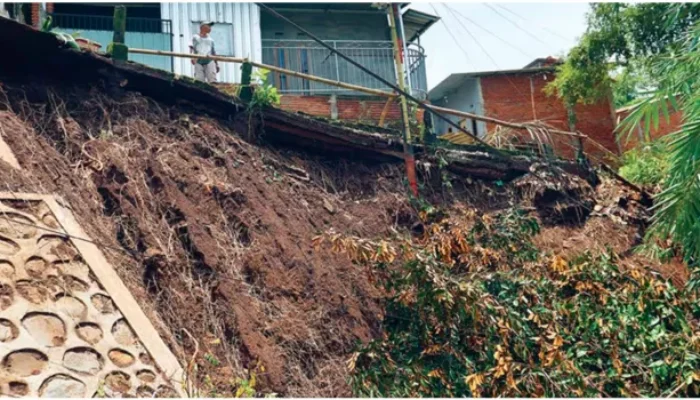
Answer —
(240, 26)
(466, 98)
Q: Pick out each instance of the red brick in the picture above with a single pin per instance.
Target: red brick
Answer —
(665, 127)
(349, 108)
(521, 98)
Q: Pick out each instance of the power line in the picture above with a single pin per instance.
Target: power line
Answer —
(517, 89)
(471, 35)
(526, 97)
(544, 28)
(515, 24)
(466, 55)
(507, 43)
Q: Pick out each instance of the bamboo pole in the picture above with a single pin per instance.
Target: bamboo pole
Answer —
(398, 62)
(238, 60)
(513, 125)
(349, 86)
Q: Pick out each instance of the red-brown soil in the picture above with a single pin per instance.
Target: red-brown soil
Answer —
(212, 233)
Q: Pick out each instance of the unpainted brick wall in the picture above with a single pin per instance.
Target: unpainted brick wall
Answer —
(665, 127)
(521, 98)
(356, 109)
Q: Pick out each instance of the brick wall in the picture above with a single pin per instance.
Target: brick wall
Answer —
(36, 12)
(665, 127)
(520, 98)
(349, 108)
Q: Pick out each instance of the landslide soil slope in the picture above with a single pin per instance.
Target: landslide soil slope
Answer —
(213, 233)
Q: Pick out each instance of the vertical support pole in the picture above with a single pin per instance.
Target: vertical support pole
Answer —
(42, 15)
(407, 147)
(337, 66)
(120, 52)
(532, 99)
(333, 101)
(572, 127)
(405, 60)
(246, 89)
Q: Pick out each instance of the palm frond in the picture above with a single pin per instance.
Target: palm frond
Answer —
(677, 209)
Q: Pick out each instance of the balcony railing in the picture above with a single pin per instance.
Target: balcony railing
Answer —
(79, 22)
(309, 57)
(143, 33)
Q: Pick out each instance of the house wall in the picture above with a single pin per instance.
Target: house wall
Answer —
(327, 25)
(665, 127)
(361, 35)
(521, 98)
(349, 108)
(468, 99)
(239, 27)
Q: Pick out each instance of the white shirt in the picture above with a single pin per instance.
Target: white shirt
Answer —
(203, 46)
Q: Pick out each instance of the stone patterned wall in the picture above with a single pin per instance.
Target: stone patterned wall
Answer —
(61, 334)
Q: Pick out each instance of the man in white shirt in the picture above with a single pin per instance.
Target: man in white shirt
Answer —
(203, 44)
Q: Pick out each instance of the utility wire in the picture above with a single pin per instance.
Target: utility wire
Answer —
(453, 37)
(478, 43)
(507, 43)
(515, 24)
(517, 89)
(544, 28)
(526, 97)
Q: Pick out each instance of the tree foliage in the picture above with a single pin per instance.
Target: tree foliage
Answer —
(622, 38)
(676, 211)
(474, 309)
(659, 41)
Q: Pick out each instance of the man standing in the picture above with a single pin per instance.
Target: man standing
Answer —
(202, 44)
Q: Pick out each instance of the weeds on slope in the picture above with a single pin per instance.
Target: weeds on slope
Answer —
(474, 309)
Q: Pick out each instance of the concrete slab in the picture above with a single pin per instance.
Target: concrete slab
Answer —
(68, 325)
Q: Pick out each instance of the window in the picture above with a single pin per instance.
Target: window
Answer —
(222, 35)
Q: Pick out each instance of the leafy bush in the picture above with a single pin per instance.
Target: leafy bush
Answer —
(647, 164)
(264, 94)
(474, 309)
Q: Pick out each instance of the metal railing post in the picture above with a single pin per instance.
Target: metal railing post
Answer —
(337, 66)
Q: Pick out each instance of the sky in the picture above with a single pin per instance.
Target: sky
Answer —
(543, 29)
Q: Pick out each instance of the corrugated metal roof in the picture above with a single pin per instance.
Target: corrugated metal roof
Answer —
(326, 6)
(416, 23)
(455, 81)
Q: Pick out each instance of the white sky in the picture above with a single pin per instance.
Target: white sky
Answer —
(556, 25)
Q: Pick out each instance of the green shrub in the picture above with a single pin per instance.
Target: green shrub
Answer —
(646, 164)
(265, 94)
(474, 310)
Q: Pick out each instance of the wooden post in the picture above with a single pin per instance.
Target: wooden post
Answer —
(407, 147)
(119, 50)
(246, 75)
